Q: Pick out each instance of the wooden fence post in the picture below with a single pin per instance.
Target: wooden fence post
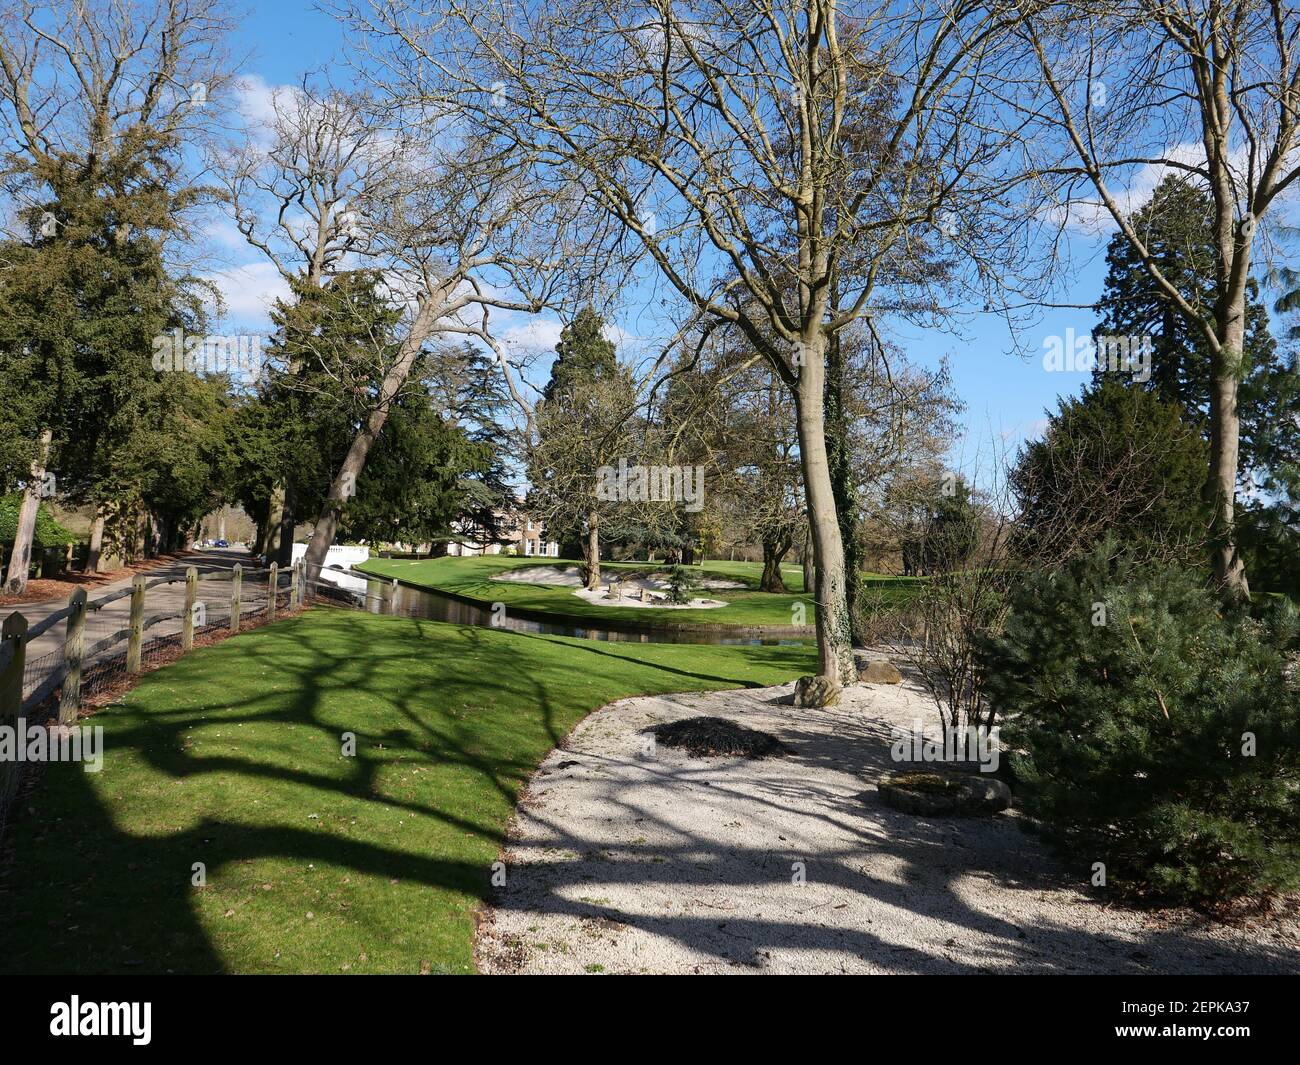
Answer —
(74, 641)
(236, 579)
(137, 625)
(295, 589)
(191, 598)
(272, 589)
(13, 635)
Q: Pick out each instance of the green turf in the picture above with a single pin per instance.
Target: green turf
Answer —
(470, 578)
(315, 862)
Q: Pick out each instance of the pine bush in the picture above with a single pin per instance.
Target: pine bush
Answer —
(1152, 729)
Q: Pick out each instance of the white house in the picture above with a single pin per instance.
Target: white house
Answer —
(523, 536)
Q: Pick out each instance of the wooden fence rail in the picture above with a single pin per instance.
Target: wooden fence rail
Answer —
(67, 676)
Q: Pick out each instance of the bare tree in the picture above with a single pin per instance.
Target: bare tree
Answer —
(1207, 88)
(301, 184)
(384, 182)
(713, 133)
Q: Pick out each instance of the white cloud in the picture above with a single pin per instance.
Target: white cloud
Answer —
(248, 291)
(1025, 431)
(1090, 215)
(220, 231)
(256, 98)
(536, 334)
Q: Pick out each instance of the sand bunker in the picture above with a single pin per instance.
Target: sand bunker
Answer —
(618, 588)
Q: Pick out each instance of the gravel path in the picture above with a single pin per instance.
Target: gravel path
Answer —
(623, 859)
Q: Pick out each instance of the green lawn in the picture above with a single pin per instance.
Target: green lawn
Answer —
(315, 862)
(470, 578)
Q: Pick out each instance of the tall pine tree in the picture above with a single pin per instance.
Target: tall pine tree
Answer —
(1176, 226)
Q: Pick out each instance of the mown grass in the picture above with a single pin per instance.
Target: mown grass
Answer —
(315, 862)
(471, 578)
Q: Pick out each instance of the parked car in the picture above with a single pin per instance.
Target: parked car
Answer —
(222, 543)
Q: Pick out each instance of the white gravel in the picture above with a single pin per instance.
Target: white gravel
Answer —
(630, 587)
(621, 861)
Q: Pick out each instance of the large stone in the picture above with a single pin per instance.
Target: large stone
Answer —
(816, 691)
(929, 793)
(880, 672)
(987, 794)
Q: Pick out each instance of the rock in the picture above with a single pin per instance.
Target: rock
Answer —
(880, 672)
(816, 691)
(987, 794)
(646, 597)
(929, 793)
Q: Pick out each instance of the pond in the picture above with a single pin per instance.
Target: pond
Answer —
(380, 597)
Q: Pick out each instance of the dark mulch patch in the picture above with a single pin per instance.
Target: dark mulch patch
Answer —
(710, 736)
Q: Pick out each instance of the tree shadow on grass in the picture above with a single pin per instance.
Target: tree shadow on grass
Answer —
(234, 758)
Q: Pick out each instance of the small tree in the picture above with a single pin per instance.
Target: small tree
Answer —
(935, 624)
(586, 420)
(1152, 730)
(682, 585)
(1116, 461)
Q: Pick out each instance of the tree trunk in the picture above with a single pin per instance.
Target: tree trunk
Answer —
(284, 555)
(96, 547)
(834, 636)
(1225, 434)
(809, 562)
(270, 545)
(840, 462)
(774, 551)
(591, 553)
(25, 533)
(344, 485)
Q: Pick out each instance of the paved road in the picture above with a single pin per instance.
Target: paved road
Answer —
(47, 649)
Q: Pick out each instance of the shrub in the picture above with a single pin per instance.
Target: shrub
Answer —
(49, 533)
(682, 585)
(1115, 461)
(1131, 701)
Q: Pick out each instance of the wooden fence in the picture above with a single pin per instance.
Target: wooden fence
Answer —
(26, 685)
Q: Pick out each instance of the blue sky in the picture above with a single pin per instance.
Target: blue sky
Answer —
(1005, 394)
